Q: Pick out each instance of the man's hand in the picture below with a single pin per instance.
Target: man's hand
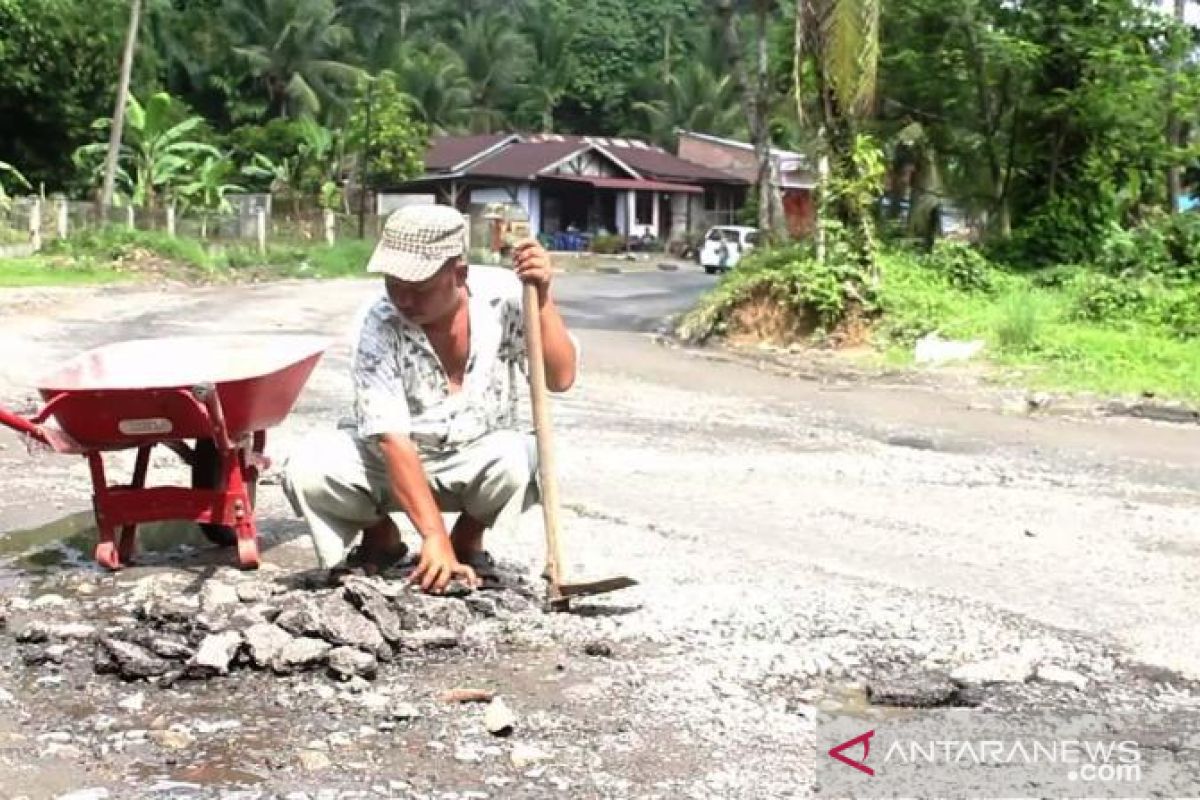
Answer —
(532, 265)
(438, 566)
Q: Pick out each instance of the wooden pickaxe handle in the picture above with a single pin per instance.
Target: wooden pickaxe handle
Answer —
(544, 431)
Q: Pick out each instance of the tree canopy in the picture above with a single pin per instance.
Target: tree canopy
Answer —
(1047, 120)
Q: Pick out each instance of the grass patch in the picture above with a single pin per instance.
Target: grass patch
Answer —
(118, 254)
(43, 271)
(1051, 335)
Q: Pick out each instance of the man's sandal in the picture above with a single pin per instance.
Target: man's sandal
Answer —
(359, 564)
(485, 569)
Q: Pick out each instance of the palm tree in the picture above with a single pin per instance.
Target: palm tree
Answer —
(438, 84)
(379, 28)
(295, 48)
(548, 28)
(690, 91)
(756, 104)
(837, 41)
(492, 53)
(157, 153)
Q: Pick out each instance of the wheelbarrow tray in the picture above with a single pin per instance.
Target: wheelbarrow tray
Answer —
(224, 392)
(131, 393)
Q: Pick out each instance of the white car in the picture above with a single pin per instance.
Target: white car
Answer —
(724, 246)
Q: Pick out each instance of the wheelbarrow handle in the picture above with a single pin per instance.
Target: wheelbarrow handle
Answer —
(22, 425)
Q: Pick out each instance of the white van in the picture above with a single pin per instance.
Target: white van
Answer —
(724, 246)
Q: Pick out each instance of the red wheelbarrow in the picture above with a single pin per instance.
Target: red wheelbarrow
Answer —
(221, 393)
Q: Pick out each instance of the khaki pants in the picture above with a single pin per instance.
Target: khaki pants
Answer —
(339, 484)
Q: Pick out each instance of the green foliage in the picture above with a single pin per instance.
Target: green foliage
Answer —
(158, 152)
(102, 255)
(1144, 342)
(1127, 302)
(821, 290)
(44, 270)
(963, 266)
(58, 70)
(11, 175)
(275, 141)
(209, 185)
(396, 139)
(294, 49)
(1019, 325)
(118, 244)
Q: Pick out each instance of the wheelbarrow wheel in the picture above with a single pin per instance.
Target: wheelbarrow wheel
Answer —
(206, 471)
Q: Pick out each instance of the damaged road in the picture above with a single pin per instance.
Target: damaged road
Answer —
(799, 545)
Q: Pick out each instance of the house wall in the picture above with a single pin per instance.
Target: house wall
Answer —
(530, 198)
(679, 215)
(526, 195)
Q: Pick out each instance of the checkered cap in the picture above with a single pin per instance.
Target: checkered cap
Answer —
(417, 240)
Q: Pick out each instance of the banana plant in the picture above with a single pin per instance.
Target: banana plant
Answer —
(157, 155)
(11, 172)
(208, 189)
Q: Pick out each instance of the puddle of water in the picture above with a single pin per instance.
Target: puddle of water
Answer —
(73, 538)
(852, 701)
(216, 773)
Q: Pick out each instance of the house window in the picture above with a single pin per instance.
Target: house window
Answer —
(645, 208)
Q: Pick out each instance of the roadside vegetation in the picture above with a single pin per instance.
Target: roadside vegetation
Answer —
(1115, 327)
(114, 255)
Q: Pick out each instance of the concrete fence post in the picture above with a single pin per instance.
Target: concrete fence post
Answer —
(64, 220)
(171, 220)
(330, 227)
(35, 225)
(260, 219)
(130, 219)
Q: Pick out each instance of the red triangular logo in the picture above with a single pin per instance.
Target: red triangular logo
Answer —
(865, 740)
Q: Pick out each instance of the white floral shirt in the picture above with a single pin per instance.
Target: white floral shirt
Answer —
(401, 388)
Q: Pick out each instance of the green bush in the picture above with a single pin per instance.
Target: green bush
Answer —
(1134, 252)
(1127, 303)
(1097, 297)
(608, 244)
(1183, 244)
(118, 244)
(914, 298)
(824, 290)
(962, 265)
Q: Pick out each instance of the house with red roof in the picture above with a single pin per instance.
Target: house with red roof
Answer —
(587, 185)
(797, 177)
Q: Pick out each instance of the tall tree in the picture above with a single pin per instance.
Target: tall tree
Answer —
(295, 48)
(492, 53)
(1174, 127)
(548, 26)
(118, 117)
(691, 89)
(756, 102)
(437, 82)
(838, 41)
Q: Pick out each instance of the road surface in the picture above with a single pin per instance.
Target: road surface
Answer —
(793, 538)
